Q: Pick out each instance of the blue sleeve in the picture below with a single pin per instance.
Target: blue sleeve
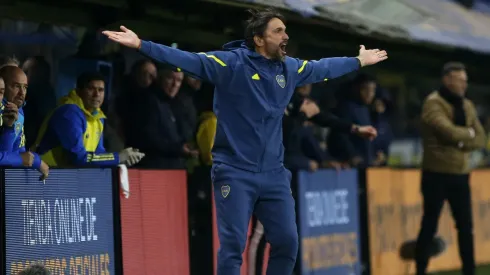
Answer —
(212, 67)
(68, 123)
(10, 159)
(7, 139)
(37, 161)
(13, 159)
(326, 68)
(20, 143)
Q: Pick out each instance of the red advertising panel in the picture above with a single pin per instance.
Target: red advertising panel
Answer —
(154, 223)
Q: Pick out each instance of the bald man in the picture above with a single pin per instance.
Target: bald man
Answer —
(12, 137)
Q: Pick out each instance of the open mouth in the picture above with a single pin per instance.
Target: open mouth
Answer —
(282, 46)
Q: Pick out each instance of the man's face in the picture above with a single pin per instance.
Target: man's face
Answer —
(274, 41)
(368, 91)
(93, 95)
(456, 82)
(16, 88)
(146, 75)
(2, 89)
(171, 83)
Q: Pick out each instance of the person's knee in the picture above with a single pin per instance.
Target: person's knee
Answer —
(465, 227)
(286, 243)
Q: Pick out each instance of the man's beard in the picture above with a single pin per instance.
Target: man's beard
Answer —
(278, 56)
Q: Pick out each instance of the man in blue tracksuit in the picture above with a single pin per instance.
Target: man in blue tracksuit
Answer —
(13, 82)
(254, 82)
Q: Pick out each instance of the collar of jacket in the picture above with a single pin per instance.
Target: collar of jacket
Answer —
(73, 98)
(452, 98)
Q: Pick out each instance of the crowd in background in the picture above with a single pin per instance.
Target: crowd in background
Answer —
(168, 116)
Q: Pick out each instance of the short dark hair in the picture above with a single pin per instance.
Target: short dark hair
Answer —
(257, 23)
(452, 67)
(35, 269)
(85, 78)
(362, 79)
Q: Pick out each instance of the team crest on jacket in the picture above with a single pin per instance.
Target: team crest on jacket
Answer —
(225, 190)
(281, 80)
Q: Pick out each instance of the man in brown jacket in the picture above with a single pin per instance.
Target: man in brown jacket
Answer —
(450, 132)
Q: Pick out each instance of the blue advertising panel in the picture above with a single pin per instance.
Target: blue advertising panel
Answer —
(329, 223)
(66, 224)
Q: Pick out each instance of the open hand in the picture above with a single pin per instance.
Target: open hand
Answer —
(125, 37)
(371, 57)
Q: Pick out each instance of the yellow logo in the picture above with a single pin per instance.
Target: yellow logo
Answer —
(225, 190)
(256, 77)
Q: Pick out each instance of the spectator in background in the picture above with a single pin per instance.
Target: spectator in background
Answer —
(302, 149)
(12, 137)
(450, 131)
(182, 104)
(35, 269)
(356, 109)
(382, 124)
(143, 74)
(158, 134)
(6, 60)
(206, 129)
(15, 159)
(73, 134)
(41, 97)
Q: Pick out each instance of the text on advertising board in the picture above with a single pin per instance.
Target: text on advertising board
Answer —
(66, 224)
(328, 222)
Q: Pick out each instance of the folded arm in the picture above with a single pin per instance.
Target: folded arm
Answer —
(434, 116)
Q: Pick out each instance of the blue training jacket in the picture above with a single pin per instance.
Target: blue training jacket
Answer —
(12, 142)
(250, 97)
(73, 136)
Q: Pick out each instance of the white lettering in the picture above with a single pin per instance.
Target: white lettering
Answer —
(59, 221)
(327, 208)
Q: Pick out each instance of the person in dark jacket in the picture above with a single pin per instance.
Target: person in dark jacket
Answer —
(450, 131)
(136, 84)
(380, 119)
(159, 135)
(355, 108)
(181, 103)
(41, 98)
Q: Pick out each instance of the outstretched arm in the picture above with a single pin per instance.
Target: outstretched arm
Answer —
(329, 68)
(212, 66)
